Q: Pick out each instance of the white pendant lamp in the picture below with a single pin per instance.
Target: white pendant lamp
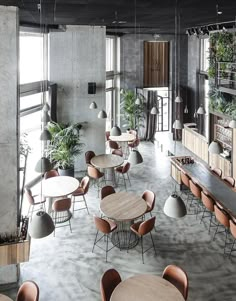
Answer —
(102, 114)
(177, 125)
(135, 157)
(195, 114)
(46, 107)
(93, 105)
(215, 147)
(138, 101)
(45, 117)
(43, 165)
(201, 110)
(175, 207)
(178, 99)
(45, 135)
(232, 124)
(186, 110)
(154, 111)
(115, 131)
(41, 225)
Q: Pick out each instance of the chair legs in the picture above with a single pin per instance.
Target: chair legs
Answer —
(84, 201)
(124, 179)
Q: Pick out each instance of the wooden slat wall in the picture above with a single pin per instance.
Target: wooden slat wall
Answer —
(156, 64)
(14, 253)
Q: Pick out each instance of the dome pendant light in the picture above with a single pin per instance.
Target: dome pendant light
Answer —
(115, 131)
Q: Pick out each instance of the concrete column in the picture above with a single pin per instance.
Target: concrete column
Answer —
(9, 36)
(77, 57)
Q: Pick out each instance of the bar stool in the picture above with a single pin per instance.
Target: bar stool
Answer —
(185, 180)
(223, 221)
(229, 180)
(217, 171)
(209, 208)
(196, 191)
(232, 227)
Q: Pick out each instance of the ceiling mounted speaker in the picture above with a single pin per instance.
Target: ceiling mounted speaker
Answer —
(91, 88)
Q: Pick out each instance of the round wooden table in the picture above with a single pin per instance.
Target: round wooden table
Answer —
(124, 137)
(146, 287)
(123, 207)
(59, 186)
(5, 298)
(108, 161)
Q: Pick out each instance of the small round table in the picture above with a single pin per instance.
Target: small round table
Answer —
(124, 137)
(123, 207)
(59, 186)
(108, 161)
(146, 287)
(5, 298)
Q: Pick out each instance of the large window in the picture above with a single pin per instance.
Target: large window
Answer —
(204, 65)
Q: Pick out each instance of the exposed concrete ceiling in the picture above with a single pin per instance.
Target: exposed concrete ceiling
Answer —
(126, 16)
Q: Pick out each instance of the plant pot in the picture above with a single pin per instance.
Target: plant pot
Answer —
(66, 172)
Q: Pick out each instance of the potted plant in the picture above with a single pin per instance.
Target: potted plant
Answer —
(132, 112)
(64, 146)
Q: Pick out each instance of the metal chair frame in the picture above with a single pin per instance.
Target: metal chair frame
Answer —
(61, 217)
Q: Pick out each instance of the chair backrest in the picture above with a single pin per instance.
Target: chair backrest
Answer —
(29, 196)
(85, 184)
(110, 279)
(102, 225)
(28, 291)
(185, 178)
(147, 226)
(221, 216)
(93, 172)
(126, 167)
(217, 171)
(117, 152)
(51, 173)
(195, 189)
(61, 205)
(134, 143)
(113, 144)
(106, 190)
(88, 156)
(107, 134)
(133, 132)
(207, 201)
(149, 197)
(232, 227)
(178, 277)
(229, 180)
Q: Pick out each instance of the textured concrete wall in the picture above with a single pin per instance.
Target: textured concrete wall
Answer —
(77, 57)
(8, 128)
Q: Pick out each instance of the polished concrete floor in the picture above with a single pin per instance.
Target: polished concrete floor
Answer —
(65, 268)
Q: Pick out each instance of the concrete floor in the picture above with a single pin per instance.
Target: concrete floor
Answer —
(65, 268)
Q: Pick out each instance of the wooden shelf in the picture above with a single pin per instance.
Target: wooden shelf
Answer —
(13, 253)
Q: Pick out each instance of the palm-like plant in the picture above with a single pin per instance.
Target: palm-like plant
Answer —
(65, 145)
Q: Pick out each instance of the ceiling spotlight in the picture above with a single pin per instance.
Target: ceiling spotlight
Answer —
(219, 12)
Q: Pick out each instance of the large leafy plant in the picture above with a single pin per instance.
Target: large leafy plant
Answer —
(132, 113)
(65, 145)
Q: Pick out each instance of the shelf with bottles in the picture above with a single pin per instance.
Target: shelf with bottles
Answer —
(223, 133)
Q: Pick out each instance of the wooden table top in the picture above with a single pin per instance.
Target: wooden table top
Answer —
(59, 186)
(124, 137)
(214, 185)
(123, 206)
(107, 161)
(146, 287)
(5, 298)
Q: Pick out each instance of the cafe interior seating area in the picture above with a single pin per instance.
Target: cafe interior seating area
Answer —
(118, 150)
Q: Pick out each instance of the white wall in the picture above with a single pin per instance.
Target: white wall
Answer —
(77, 57)
(8, 128)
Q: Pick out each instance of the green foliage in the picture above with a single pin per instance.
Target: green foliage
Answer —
(222, 103)
(65, 145)
(132, 113)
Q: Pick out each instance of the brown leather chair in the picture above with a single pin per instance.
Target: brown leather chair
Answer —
(134, 144)
(96, 175)
(232, 227)
(149, 197)
(61, 213)
(229, 180)
(51, 173)
(122, 171)
(107, 190)
(81, 191)
(34, 200)
(217, 171)
(113, 145)
(178, 277)
(223, 221)
(117, 152)
(105, 226)
(196, 192)
(209, 203)
(107, 134)
(109, 281)
(28, 291)
(88, 156)
(142, 228)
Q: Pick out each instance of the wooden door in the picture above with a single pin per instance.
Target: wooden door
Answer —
(156, 64)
